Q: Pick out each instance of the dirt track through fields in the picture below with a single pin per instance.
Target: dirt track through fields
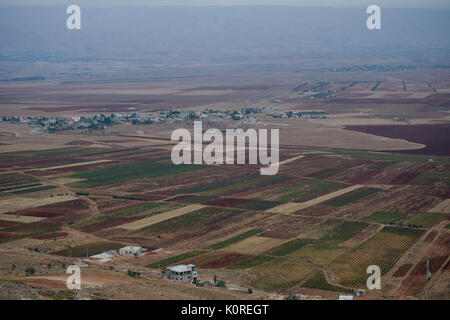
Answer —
(78, 164)
(139, 224)
(291, 207)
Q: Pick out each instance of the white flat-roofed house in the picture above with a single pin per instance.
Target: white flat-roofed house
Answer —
(182, 272)
(132, 250)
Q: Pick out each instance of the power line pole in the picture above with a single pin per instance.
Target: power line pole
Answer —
(428, 276)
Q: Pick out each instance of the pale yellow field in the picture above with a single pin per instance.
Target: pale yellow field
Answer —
(255, 245)
(160, 217)
(14, 204)
(291, 207)
(25, 219)
(443, 207)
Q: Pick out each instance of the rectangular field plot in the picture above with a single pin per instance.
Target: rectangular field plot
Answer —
(303, 190)
(147, 209)
(342, 233)
(318, 254)
(321, 229)
(347, 199)
(238, 238)
(175, 259)
(288, 247)
(218, 259)
(384, 217)
(292, 207)
(253, 262)
(36, 189)
(279, 274)
(318, 281)
(254, 245)
(426, 220)
(147, 222)
(259, 205)
(130, 171)
(384, 249)
(185, 218)
(235, 185)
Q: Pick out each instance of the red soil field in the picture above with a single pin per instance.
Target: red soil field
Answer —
(5, 223)
(435, 137)
(6, 235)
(51, 235)
(430, 237)
(402, 271)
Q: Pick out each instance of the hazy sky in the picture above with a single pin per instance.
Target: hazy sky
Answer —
(333, 3)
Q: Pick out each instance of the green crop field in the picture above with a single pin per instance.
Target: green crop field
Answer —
(310, 188)
(172, 260)
(342, 233)
(299, 191)
(426, 220)
(429, 177)
(288, 247)
(354, 196)
(384, 217)
(327, 173)
(130, 171)
(42, 188)
(235, 239)
(195, 199)
(256, 261)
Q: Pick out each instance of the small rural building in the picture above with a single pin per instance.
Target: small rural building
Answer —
(344, 297)
(132, 250)
(182, 272)
(104, 256)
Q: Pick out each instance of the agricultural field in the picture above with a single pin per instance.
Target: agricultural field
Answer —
(335, 207)
(384, 217)
(383, 249)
